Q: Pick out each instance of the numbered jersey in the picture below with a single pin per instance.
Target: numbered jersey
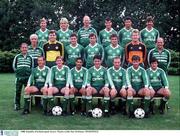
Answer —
(79, 77)
(89, 53)
(39, 77)
(157, 78)
(124, 36)
(64, 36)
(104, 37)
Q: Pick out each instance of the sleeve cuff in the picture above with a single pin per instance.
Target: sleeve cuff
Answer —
(124, 86)
(106, 85)
(146, 86)
(166, 87)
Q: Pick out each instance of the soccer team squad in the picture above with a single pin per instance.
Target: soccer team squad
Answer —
(127, 63)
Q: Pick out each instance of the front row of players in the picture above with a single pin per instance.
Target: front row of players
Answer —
(110, 83)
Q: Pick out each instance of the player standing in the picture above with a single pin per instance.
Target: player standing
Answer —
(104, 35)
(64, 33)
(22, 65)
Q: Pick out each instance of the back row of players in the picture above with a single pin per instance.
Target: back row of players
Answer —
(108, 50)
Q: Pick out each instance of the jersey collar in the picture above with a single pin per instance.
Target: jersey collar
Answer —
(74, 46)
(41, 69)
(60, 68)
(149, 30)
(109, 30)
(153, 70)
(136, 69)
(115, 69)
(65, 30)
(97, 69)
(43, 31)
(78, 70)
(92, 46)
(114, 47)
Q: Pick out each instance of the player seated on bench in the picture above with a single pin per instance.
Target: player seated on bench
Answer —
(36, 83)
(117, 80)
(137, 82)
(158, 84)
(59, 83)
(78, 84)
(97, 83)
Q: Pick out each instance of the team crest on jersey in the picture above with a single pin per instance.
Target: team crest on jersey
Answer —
(63, 72)
(96, 49)
(132, 74)
(64, 37)
(77, 50)
(37, 74)
(93, 74)
(57, 47)
(101, 73)
(140, 74)
(157, 73)
(120, 74)
(117, 51)
(81, 74)
(151, 74)
(136, 77)
(44, 73)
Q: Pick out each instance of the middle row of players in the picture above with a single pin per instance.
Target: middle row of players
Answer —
(107, 82)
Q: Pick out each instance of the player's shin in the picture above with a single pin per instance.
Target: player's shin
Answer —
(72, 103)
(89, 104)
(146, 105)
(65, 104)
(130, 105)
(45, 103)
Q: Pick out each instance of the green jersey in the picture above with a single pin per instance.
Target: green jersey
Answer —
(124, 36)
(83, 35)
(78, 77)
(73, 52)
(42, 37)
(111, 52)
(149, 37)
(137, 78)
(39, 77)
(104, 37)
(163, 57)
(89, 53)
(35, 53)
(97, 78)
(60, 77)
(117, 78)
(157, 78)
(23, 65)
(64, 36)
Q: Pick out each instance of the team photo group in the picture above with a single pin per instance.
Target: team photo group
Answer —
(108, 64)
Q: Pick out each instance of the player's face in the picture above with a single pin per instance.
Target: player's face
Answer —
(97, 63)
(41, 62)
(114, 41)
(59, 62)
(86, 21)
(63, 25)
(154, 65)
(117, 63)
(24, 48)
(160, 43)
(127, 23)
(73, 40)
(92, 40)
(108, 24)
(52, 37)
(135, 63)
(149, 24)
(79, 63)
(135, 36)
(34, 41)
(43, 25)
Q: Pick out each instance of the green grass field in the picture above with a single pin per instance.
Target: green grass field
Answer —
(10, 119)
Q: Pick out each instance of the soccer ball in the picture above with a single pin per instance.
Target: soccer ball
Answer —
(56, 111)
(97, 113)
(139, 113)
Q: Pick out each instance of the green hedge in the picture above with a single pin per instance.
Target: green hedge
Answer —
(6, 60)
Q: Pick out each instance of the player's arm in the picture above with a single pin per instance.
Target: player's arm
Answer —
(141, 36)
(100, 37)
(120, 37)
(85, 78)
(128, 78)
(31, 79)
(89, 76)
(110, 79)
(82, 52)
(101, 52)
(122, 57)
(164, 79)
(126, 53)
(51, 77)
(169, 59)
(106, 79)
(47, 77)
(145, 79)
(62, 49)
(124, 79)
(145, 54)
(15, 63)
(68, 77)
(149, 56)
(71, 78)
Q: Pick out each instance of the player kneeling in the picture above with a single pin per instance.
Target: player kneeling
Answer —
(158, 84)
(97, 83)
(137, 82)
(78, 84)
(37, 82)
(117, 80)
(59, 83)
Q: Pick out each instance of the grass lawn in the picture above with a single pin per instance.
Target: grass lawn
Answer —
(10, 119)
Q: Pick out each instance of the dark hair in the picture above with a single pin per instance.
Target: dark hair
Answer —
(97, 57)
(108, 19)
(149, 18)
(127, 18)
(79, 58)
(52, 32)
(91, 35)
(73, 35)
(153, 59)
(23, 44)
(135, 57)
(41, 57)
(59, 57)
(113, 35)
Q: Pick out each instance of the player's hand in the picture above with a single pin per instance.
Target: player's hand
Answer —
(114, 90)
(146, 89)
